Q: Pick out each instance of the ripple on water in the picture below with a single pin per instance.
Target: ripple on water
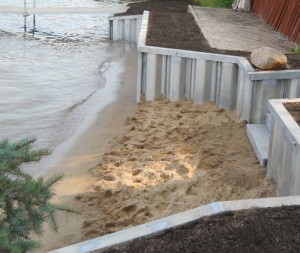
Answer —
(48, 74)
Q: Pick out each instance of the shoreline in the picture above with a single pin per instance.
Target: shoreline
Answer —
(100, 143)
(83, 151)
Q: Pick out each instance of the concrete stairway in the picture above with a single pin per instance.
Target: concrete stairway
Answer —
(259, 137)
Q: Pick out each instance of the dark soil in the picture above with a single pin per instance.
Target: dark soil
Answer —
(180, 31)
(294, 60)
(171, 26)
(255, 230)
(158, 5)
(294, 109)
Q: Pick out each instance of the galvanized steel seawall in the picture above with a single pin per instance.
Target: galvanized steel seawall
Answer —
(282, 15)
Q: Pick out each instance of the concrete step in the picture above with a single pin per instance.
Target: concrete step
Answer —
(259, 137)
(268, 121)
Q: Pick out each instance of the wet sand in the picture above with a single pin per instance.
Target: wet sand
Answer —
(85, 151)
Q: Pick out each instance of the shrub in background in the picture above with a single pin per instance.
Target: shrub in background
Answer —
(215, 3)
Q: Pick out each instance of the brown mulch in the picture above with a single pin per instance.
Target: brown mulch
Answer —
(170, 26)
(294, 109)
(180, 31)
(158, 5)
(255, 230)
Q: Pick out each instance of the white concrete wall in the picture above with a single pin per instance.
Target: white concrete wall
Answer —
(177, 77)
(256, 88)
(125, 28)
(228, 81)
(157, 226)
(284, 151)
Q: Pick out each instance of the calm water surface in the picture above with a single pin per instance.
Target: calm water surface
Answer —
(50, 78)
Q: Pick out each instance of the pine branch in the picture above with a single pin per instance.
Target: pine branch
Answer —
(24, 143)
(24, 201)
(53, 180)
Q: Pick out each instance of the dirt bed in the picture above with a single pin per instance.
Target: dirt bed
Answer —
(294, 110)
(171, 26)
(158, 5)
(241, 231)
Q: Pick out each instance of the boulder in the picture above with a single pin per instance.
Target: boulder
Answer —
(267, 58)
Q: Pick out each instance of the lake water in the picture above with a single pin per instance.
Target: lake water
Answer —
(52, 79)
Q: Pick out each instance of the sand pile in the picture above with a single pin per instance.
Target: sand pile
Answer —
(172, 157)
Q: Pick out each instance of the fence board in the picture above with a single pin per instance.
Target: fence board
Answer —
(282, 15)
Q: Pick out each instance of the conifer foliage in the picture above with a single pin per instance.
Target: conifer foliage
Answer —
(24, 201)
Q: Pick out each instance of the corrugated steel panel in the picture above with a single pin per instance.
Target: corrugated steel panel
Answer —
(282, 15)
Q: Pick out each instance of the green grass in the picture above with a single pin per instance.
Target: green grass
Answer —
(215, 3)
(296, 50)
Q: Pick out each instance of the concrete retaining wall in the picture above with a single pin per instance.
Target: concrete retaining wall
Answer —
(125, 28)
(284, 151)
(228, 81)
(177, 74)
(261, 86)
(172, 221)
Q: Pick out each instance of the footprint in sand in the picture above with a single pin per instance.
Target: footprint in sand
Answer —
(191, 190)
(125, 138)
(136, 172)
(92, 233)
(108, 194)
(180, 169)
(166, 177)
(129, 209)
(110, 224)
(110, 177)
(131, 159)
(113, 153)
(138, 145)
(137, 180)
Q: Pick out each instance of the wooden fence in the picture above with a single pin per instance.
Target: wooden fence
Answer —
(283, 15)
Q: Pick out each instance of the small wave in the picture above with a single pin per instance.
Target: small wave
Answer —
(74, 106)
(104, 66)
(7, 33)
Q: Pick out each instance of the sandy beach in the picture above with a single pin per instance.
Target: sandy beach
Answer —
(138, 163)
(84, 152)
(171, 157)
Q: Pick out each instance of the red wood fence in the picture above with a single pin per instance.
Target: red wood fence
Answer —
(283, 15)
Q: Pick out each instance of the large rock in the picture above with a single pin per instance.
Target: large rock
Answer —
(267, 58)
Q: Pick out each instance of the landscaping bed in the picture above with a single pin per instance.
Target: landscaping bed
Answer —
(238, 231)
(294, 109)
(170, 26)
